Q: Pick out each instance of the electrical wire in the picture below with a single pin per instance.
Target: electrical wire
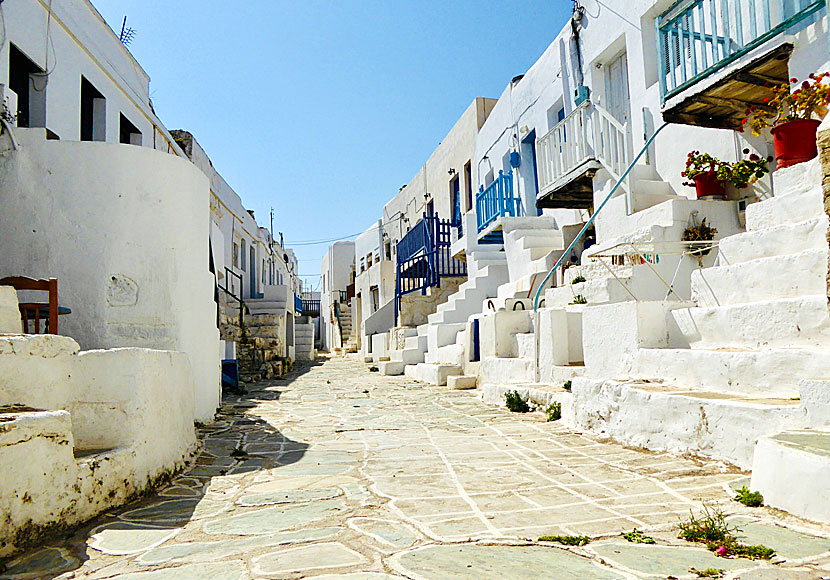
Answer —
(49, 42)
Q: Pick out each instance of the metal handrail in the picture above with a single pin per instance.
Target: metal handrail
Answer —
(229, 291)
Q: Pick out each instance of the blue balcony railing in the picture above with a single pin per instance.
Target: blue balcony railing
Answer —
(696, 38)
(497, 201)
(420, 238)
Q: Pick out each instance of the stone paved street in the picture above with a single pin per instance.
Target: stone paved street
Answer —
(337, 472)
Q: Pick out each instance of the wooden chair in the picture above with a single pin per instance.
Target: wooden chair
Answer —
(32, 310)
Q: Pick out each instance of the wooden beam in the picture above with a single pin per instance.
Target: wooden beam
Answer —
(757, 79)
(739, 105)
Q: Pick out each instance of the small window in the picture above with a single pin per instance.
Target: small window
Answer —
(243, 254)
(93, 113)
(128, 133)
(235, 255)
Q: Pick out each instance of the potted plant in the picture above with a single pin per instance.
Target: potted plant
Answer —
(791, 116)
(708, 174)
(699, 233)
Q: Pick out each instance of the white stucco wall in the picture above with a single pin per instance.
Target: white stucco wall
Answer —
(336, 271)
(128, 243)
(132, 408)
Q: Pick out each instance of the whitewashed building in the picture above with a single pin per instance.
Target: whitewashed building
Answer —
(96, 193)
(336, 277)
(635, 335)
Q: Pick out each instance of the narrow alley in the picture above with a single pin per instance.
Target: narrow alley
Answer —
(338, 472)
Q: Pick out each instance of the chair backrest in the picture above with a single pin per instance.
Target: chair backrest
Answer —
(27, 309)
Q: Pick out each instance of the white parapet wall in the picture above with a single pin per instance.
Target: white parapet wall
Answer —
(125, 231)
(113, 423)
(9, 312)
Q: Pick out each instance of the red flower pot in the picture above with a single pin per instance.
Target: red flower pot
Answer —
(795, 141)
(707, 185)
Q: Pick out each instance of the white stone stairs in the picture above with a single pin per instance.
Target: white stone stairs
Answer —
(444, 350)
(726, 370)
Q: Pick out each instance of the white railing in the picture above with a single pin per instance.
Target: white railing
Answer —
(564, 148)
(571, 143)
(610, 141)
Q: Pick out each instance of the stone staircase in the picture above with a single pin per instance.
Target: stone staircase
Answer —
(718, 374)
(348, 337)
(304, 339)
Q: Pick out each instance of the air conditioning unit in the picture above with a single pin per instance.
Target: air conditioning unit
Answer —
(8, 104)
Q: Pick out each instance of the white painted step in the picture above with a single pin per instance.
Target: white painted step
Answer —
(391, 367)
(596, 291)
(777, 241)
(768, 372)
(539, 395)
(416, 343)
(506, 371)
(433, 374)
(527, 345)
(801, 321)
(407, 356)
(783, 210)
(791, 470)
(442, 334)
(451, 354)
(722, 426)
(798, 274)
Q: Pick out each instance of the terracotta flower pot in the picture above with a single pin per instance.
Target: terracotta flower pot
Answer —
(795, 141)
(707, 185)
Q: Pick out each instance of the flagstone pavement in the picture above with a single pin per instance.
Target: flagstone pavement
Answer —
(338, 472)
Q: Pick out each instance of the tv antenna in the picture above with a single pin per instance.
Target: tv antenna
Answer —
(127, 34)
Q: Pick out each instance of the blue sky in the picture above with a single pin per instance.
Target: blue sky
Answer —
(323, 110)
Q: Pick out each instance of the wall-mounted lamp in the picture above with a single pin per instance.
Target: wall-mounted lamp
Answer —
(451, 171)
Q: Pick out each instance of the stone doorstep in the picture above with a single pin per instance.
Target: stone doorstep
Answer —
(791, 469)
(660, 417)
(434, 374)
(538, 394)
(462, 382)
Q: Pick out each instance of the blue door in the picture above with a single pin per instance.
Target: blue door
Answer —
(456, 202)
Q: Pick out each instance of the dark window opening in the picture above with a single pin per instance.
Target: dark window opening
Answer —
(93, 113)
(28, 81)
(128, 133)
(468, 184)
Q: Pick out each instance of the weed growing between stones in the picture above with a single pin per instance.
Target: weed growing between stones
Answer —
(749, 498)
(638, 537)
(567, 386)
(711, 528)
(578, 279)
(708, 572)
(239, 453)
(515, 402)
(373, 369)
(567, 540)
(554, 411)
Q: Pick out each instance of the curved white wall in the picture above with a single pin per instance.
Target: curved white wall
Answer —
(125, 230)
